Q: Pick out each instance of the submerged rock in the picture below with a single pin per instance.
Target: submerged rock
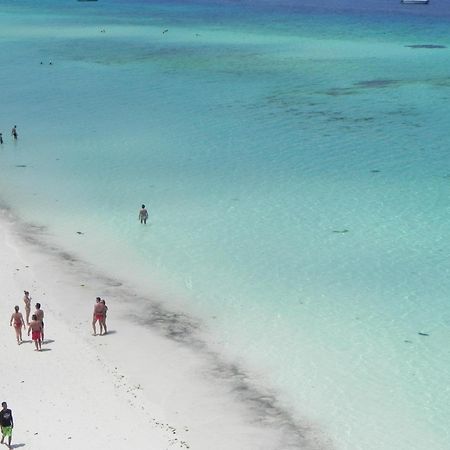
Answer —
(379, 83)
(426, 46)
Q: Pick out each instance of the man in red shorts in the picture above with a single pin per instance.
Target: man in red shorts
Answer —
(36, 331)
(40, 316)
(99, 313)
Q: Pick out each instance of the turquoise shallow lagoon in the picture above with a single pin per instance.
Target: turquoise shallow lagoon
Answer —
(295, 164)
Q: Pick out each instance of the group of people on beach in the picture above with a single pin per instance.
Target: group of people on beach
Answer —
(35, 327)
(13, 134)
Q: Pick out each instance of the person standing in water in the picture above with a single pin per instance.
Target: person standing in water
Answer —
(14, 132)
(1, 138)
(27, 301)
(17, 319)
(6, 423)
(36, 331)
(39, 313)
(143, 215)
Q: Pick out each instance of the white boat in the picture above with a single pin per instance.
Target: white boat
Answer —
(415, 2)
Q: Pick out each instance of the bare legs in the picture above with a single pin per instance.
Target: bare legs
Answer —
(100, 323)
(18, 331)
(104, 325)
(38, 345)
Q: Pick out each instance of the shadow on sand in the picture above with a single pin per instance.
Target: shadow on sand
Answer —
(110, 332)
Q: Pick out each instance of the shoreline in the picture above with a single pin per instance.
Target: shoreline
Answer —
(156, 361)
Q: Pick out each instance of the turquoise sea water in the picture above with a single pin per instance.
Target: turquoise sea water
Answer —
(294, 159)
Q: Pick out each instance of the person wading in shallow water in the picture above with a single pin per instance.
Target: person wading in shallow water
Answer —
(14, 132)
(143, 215)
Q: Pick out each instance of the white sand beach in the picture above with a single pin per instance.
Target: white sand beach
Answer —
(134, 387)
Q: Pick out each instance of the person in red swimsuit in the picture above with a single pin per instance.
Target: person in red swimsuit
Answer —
(36, 329)
(98, 315)
(17, 319)
(40, 316)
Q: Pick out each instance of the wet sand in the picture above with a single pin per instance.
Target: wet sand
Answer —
(152, 382)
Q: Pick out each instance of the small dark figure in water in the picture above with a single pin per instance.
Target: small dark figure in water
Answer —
(1, 138)
(14, 132)
(143, 215)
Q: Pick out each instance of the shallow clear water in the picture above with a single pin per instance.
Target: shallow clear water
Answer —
(294, 161)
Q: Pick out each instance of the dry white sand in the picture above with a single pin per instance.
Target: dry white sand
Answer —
(151, 383)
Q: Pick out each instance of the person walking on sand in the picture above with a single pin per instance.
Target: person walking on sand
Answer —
(98, 315)
(6, 424)
(104, 317)
(39, 313)
(143, 215)
(36, 332)
(14, 132)
(17, 319)
(27, 301)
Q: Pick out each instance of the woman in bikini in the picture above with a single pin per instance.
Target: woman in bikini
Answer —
(27, 301)
(104, 317)
(17, 319)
